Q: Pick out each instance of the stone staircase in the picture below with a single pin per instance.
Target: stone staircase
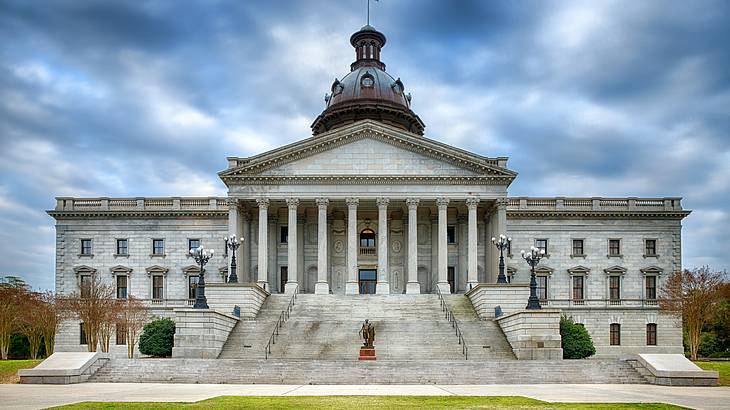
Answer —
(408, 327)
(484, 338)
(249, 337)
(278, 371)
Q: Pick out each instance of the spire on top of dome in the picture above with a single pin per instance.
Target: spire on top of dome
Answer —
(367, 42)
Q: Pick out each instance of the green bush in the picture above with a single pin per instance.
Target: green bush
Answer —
(157, 338)
(20, 348)
(576, 342)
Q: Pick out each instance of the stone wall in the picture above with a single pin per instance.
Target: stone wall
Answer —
(223, 297)
(201, 333)
(533, 334)
(510, 297)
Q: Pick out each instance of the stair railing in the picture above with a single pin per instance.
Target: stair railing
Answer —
(454, 324)
(283, 317)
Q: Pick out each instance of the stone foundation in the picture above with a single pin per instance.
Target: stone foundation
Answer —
(510, 297)
(533, 334)
(201, 333)
(224, 297)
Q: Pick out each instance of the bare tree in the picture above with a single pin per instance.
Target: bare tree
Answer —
(133, 315)
(48, 320)
(29, 320)
(11, 294)
(91, 306)
(693, 296)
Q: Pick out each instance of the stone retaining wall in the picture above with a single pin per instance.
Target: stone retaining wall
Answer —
(201, 333)
(223, 297)
(510, 297)
(533, 334)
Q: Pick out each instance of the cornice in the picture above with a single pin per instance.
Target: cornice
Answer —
(369, 180)
(139, 214)
(534, 214)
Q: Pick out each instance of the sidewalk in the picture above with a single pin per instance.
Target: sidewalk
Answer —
(25, 396)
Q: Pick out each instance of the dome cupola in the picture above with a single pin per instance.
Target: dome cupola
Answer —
(368, 92)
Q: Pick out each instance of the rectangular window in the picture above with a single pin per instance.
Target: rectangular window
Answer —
(122, 247)
(158, 287)
(284, 234)
(509, 248)
(542, 287)
(651, 334)
(121, 286)
(86, 246)
(614, 287)
(615, 334)
(650, 247)
(451, 234)
(578, 247)
(82, 334)
(192, 286)
(651, 287)
(121, 334)
(577, 287)
(614, 247)
(193, 244)
(85, 285)
(542, 244)
(158, 246)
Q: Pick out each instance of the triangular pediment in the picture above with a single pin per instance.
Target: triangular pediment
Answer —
(368, 149)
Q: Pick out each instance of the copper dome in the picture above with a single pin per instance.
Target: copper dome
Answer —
(368, 92)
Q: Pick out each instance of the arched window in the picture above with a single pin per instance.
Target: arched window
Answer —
(367, 238)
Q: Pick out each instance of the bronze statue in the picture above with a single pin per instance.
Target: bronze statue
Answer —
(367, 331)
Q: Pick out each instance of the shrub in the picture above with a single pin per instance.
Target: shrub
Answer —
(157, 338)
(576, 342)
(709, 344)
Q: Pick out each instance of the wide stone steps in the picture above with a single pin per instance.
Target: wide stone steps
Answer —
(484, 338)
(249, 337)
(356, 372)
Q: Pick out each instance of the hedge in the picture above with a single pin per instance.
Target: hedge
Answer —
(158, 338)
(576, 342)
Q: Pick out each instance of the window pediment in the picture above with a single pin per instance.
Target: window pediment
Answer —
(511, 270)
(191, 269)
(156, 270)
(84, 270)
(615, 270)
(579, 270)
(543, 270)
(652, 270)
(120, 270)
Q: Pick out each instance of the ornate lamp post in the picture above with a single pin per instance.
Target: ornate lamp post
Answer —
(502, 243)
(232, 243)
(201, 256)
(533, 258)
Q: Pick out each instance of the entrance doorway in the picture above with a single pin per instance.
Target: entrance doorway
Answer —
(283, 278)
(451, 278)
(367, 281)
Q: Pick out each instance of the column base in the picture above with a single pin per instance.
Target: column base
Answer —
(444, 287)
(321, 288)
(352, 288)
(413, 288)
(382, 288)
(290, 287)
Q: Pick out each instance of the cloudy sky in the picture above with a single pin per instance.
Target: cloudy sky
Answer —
(147, 98)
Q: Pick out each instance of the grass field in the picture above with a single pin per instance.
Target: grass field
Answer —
(9, 369)
(367, 402)
(722, 367)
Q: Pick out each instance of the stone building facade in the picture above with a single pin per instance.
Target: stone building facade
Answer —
(370, 205)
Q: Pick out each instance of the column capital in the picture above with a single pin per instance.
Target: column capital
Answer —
(442, 203)
(472, 202)
(412, 203)
(262, 202)
(293, 203)
(232, 202)
(501, 202)
(352, 202)
(322, 203)
(382, 202)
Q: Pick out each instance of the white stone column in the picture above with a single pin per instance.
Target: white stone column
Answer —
(292, 258)
(233, 222)
(383, 285)
(443, 280)
(322, 287)
(413, 287)
(244, 254)
(351, 287)
(472, 277)
(263, 258)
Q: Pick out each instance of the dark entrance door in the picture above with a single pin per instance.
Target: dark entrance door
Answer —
(284, 277)
(368, 279)
(452, 282)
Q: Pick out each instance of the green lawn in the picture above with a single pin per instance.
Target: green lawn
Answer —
(722, 367)
(366, 402)
(9, 369)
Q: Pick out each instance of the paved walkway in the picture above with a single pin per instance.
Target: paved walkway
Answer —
(25, 396)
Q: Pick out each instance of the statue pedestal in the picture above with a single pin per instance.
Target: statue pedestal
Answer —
(367, 353)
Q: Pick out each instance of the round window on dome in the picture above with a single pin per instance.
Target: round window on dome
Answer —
(367, 81)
